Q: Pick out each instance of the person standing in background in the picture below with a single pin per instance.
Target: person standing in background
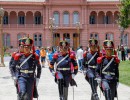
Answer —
(50, 54)
(43, 57)
(79, 56)
(126, 51)
(38, 51)
(122, 53)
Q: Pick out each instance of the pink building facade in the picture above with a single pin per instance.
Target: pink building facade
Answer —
(49, 21)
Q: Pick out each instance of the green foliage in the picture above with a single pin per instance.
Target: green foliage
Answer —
(124, 16)
(124, 70)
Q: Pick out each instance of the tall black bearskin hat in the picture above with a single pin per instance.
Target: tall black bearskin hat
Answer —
(108, 44)
(64, 44)
(93, 42)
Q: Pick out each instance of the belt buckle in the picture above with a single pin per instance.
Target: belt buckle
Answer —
(26, 71)
(64, 68)
(108, 73)
(93, 66)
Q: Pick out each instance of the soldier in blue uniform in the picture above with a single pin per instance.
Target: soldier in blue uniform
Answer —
(107, 71)
(66, 69)
(25, 73)
(90, 63)
(20, 50)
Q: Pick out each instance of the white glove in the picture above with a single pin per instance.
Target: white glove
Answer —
(53, 73)
(15, 80)
(73, 75)
(37, 81)
(98, 80)
(117, 84)
(84, 72)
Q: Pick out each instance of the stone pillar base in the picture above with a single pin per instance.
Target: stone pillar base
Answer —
(2, 65)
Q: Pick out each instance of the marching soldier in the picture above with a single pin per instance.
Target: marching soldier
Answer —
(107, 71)
(66, 69)
(13, 55)
(90, 63)
(25, 75)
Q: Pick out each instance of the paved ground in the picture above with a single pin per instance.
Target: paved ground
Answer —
(48, 88)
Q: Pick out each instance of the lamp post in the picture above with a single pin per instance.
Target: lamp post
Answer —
(52, 28)
(1, 39)
(78, 31)
(121, 29)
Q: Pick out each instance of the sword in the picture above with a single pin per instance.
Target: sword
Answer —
(73, 92)
(117, 94)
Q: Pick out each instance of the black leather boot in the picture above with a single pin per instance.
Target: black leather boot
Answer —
(65, 93)
(107, 94)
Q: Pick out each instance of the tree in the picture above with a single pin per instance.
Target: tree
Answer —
(124, 17)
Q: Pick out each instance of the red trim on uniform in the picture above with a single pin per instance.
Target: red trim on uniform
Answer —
(85, 54)
(55, 56)
(99, 60)
(13, 55)
(18, 87)
(72, 56)
(17, 56)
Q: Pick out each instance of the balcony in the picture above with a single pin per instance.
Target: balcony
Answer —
(66, 26)
(8, 26)
(59, 26)
(103, 26)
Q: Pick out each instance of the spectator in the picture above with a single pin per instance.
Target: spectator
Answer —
(119, 52)
(38, 51)
(50, 54)
(80, 58)
(126, 51)
(122, 53)
(43, 56)
(72, 50)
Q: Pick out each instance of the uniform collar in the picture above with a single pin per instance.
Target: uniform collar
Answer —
(93, 52)
(63, 54)
(27, 54)
(108, 57)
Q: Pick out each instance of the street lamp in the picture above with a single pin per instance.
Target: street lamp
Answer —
(78, 31)
(121, 29)
(52, 28)
(1, 38)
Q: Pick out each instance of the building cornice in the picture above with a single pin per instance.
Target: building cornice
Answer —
(21, 3)
(59, 4)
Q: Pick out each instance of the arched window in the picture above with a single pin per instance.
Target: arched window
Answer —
(56, 17)
(66, 37)
(94, 35)
(37, 17)
(38, 40)
(21, 18)
(66, 18)
(109, 36)
(125, 39)
(75, 17)
(7, 40)
(92, 19)
(21, 35)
